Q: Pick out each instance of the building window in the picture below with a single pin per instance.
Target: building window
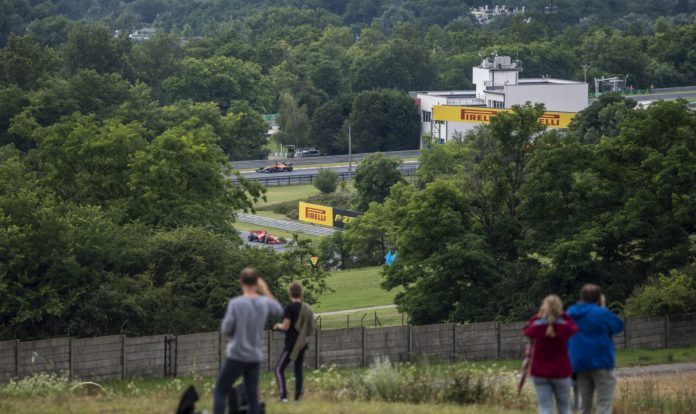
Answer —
(426, 116)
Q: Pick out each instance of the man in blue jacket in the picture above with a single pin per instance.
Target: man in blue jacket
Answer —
(592, 351)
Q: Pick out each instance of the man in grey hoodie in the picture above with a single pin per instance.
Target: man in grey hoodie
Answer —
(243, 323)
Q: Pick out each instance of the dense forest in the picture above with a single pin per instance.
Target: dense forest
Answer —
(318, 64)
(115, 217)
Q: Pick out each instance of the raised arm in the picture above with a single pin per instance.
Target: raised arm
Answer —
(274, 308)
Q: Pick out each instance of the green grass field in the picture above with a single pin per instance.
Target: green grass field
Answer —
(165, 403)
(326, 392)
(355, 288)
(384, 317)
(281, 194)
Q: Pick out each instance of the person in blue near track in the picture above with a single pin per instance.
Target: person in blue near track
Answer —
(592, 352)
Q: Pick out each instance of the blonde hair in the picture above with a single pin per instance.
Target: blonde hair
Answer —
(551, 309)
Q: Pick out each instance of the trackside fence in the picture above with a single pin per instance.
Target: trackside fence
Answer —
(272, 180)
(118, 357)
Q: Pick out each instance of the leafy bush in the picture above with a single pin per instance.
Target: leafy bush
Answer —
(666, 294)
(326, 181)
(422, 383)
(36, 385)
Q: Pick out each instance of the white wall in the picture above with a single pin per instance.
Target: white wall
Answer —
(426, 104)
(568, 97)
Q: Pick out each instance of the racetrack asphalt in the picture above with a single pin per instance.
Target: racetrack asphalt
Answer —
(313, 171)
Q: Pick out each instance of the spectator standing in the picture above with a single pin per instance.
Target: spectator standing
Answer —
(592, 352)
(549, 331)
(298, 324)
(244, 321)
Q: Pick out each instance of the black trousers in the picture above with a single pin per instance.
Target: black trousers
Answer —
(230, 371)
(283, 363)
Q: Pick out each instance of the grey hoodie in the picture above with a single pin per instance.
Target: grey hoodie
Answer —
(244, 321)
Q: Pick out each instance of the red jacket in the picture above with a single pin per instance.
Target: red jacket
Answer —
(550, 354)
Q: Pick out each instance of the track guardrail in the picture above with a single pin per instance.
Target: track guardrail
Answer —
(297, 179)
(286, 225)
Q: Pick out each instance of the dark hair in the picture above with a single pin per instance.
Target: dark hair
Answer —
(295, 291)
(248, 276)
(590, 293)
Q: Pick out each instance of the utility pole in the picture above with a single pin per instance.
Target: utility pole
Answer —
(350, 153)
(584, 68)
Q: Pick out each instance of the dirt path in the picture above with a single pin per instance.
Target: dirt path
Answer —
(661, 369)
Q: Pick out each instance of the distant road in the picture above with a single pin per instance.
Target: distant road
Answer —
(667, 94)
(314, 171)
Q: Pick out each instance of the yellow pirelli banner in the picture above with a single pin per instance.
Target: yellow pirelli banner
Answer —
(482, 115)
(314, 213)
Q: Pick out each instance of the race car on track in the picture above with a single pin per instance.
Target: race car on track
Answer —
(264, 237)
(276, 167)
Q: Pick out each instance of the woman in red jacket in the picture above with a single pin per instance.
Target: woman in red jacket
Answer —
(549, 331)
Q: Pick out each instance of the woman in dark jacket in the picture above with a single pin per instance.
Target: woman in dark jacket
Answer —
(549, 331)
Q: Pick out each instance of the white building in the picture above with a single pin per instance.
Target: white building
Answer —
(143, 34)
(498, 86)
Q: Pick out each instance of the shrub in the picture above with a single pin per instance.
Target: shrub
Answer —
(666, 294)
(326, 181)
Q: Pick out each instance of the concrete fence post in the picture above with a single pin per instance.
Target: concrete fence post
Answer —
(220, 359)
(625, 332)
(71, 367)
(454, 342)
(16, 361)
(497, 332)
(667, 332)
(269, 348)
(364, 347)
(123, 357)
(410, 343)
(317, 342)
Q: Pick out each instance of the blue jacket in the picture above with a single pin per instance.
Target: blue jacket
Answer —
(593, 347)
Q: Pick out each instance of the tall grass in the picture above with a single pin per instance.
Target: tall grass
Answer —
(422, 383)
(664, 394)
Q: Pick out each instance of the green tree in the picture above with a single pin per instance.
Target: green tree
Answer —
(293, 122)
(398, 64)
(178, 180)
(496, 171)
(602, 118)
(671, 294)
(12, 101)
(90, 47)
(87, 161)
(24, 62)
(51, 31)
(374, 178)
(328, 133)
(218, 79)
(326, 181)
(443, 266)
(384, 120)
